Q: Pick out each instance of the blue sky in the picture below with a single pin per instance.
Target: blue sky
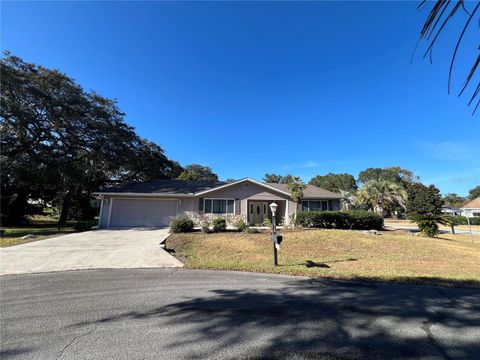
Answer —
(249, 88)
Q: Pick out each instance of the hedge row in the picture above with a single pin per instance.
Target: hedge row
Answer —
(355, 220)
(183, 224)
(462, 220)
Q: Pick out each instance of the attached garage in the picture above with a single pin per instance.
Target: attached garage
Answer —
(157, 203)
(142, 212)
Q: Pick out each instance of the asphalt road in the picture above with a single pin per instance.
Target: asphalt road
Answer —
(188, 314)
(415, 228)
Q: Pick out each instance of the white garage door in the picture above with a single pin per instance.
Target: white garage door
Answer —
(142, 212)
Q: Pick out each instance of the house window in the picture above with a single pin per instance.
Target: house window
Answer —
(314, 205)
(219, 206)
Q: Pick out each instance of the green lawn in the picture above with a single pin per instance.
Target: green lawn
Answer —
(338, 254)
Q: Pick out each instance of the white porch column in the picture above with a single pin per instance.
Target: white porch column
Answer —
(287, 218)
(101, 213)
(110, 212)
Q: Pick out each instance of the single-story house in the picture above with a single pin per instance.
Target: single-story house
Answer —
(155, 204)
(451, 210)
(472, 208)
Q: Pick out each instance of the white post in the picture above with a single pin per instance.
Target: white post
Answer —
(101, 213)
(469, 226)
(287, 218)
(110, 212)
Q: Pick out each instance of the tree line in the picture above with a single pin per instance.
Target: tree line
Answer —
(60, 143)
(386, 191)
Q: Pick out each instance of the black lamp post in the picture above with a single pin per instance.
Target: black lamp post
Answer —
(273, 208)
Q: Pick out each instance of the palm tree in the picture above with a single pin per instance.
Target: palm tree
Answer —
(428, 223)
(349, 199)
(381, 194)
(296, 186)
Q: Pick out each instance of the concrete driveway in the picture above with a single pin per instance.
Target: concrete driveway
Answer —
(100, 249)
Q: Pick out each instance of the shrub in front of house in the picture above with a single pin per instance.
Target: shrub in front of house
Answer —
(351, 219)
(205, 226)
(462, 220)
(219, 224)
(459, 220)
(267, 223)
(181, 224)
(475, 221)
(83, 225)
(240, 224)
(199, 219)
(364, 220)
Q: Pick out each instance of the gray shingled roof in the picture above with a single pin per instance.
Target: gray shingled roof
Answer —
(311, 192)
(185, 187)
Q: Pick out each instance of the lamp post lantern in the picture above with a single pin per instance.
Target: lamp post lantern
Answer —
(273, 208)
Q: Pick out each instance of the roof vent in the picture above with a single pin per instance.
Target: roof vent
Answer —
(246, 185)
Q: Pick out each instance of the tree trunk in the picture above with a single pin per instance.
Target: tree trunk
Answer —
(295, 216)
(379, 210)
(15, 212)
(67, 201)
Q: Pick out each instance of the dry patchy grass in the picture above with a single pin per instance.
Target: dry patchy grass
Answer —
(339, 254)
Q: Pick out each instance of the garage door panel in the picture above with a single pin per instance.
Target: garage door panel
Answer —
(142, 212)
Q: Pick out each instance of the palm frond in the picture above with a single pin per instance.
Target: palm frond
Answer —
(441, 13)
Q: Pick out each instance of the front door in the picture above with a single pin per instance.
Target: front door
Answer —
(258, 211)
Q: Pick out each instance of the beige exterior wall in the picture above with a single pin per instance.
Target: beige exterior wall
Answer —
(243, 194)
(187, 206)
(291, 209)
(193, 206)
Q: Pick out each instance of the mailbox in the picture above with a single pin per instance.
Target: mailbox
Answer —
(277, 239)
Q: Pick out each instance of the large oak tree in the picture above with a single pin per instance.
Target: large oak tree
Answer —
(59, 143)
(335, 182)
(474, 193)
(196, 172)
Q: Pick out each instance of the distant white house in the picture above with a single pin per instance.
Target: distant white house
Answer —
(472, 208)
(450, 210)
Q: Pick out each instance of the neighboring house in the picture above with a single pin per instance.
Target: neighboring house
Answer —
(472, 208)
(157, 203)
(450, 210)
